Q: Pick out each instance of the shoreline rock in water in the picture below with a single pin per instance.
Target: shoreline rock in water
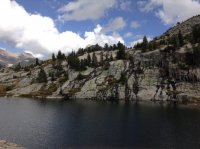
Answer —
(8, 145)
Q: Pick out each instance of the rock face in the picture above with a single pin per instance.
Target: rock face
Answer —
(142, 81)
(8, 145)
(161, 74)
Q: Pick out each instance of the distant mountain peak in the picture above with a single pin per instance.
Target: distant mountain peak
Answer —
(26, 55)
(8, 58)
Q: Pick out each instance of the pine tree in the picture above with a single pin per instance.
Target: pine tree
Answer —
(144, 44)
(82, 65)
(53, 57)
(121, 54)
(94, 60)
(177, 42)
(106, 48)
(114, 47)
(73, 61)
(180, 38)
(63, 56)
(17, 67)
(89, 59)
(37, 62)
(196, 34)
(59, 56)
(122, 79)
(42, 77)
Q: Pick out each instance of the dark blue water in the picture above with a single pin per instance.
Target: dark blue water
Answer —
(53, 125)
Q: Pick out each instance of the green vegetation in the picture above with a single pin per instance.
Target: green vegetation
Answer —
(53, 57)
(192, 58)
(42, 77)
(37, 62)
(61, 56)
(196, 34)
(17, 67)
(122, 79)
(121, 54)
(80, 77)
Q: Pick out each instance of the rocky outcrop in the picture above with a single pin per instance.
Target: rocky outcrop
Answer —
(154, 75)
(138, 79)
(7, 145)
(27, 90)
(185, 27)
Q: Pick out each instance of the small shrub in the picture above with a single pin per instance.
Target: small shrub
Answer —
(80, 77)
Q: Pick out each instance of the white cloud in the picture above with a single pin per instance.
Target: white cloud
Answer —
(125, 5)
(171, 11)
(37, 55)
(79, 10)
(135, 24)
(114, 25)
(139, 41)
(97, 37)
(128, 34)
(38, 34)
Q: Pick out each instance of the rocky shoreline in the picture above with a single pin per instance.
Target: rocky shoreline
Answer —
(8, 145)
(188, 104)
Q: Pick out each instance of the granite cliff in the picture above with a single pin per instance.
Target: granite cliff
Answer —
(162, 70)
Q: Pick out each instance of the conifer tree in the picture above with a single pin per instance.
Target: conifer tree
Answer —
(121, 54)
(94, 59)
(17, 67)
(37, 62)
(180, 38)
(89, 59)
(59, 56)
(42, 77)
(53, 57)
(196, 34)
(144, 44)
(106, 48)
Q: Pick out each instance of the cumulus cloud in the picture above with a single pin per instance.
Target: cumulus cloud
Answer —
(114, 25)
(171, 11)
(80, 10)
(135, 24)
(38, 34)
(97, 37)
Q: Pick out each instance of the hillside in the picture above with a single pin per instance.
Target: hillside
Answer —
(185, 27)
(165, 69)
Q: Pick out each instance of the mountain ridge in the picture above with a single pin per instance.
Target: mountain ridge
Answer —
(167, 71)
(8, 58)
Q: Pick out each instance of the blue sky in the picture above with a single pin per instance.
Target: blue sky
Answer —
(45, 26)
(149, 24)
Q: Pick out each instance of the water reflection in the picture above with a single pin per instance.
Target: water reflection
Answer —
(48, 124)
